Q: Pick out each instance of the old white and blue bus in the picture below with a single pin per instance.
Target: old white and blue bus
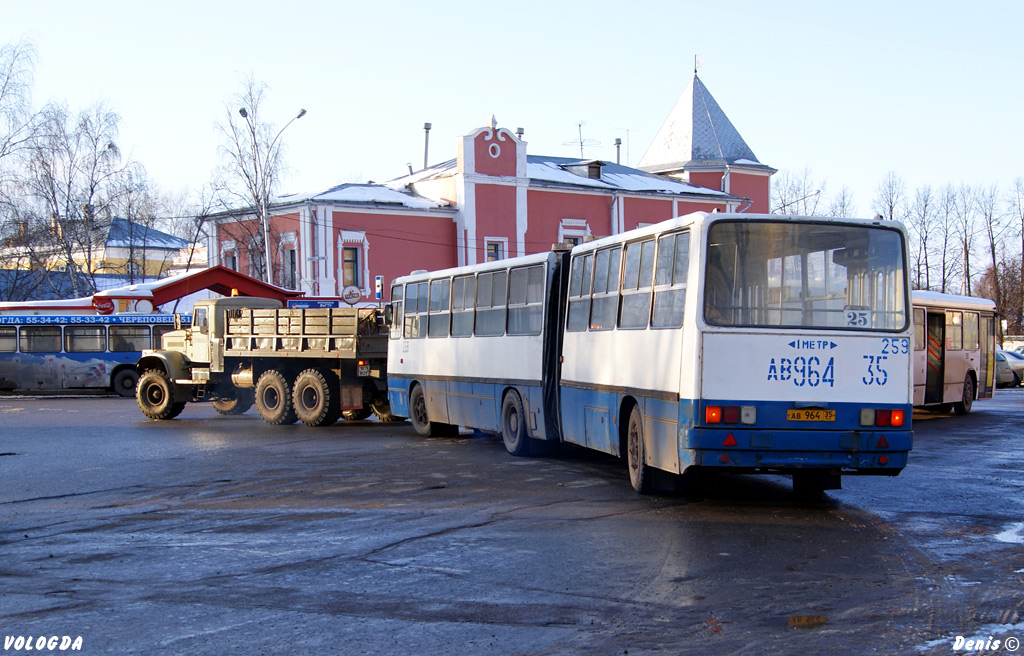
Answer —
(753, 343)
(41, 353)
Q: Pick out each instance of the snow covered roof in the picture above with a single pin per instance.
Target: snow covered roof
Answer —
(697, 132)
(121, 233)
(570, 172)
(368, 194)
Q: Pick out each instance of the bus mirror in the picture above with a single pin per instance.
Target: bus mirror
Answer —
(389, 315)
(177, 321)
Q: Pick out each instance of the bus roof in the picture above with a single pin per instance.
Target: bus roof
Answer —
(954, 301)
(417, 276)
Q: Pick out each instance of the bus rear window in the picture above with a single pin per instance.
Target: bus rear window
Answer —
(804, 275)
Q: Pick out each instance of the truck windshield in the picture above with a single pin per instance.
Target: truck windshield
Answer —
(800, 275)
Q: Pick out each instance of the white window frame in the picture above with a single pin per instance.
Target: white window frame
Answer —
(357, 239)
(290, 238)
(577, 228)
(228, 247)
(501, 241)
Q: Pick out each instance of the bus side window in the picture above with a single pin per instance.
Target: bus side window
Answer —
(954, 330)
(526, 300)
(605, 305)
(40, 339)
(8, 339)
(85, 339)
(579, 293)
(415, 310)
(439, 319)
(463, 293)
(636, 285)
(126, 339)
(670, 280)
(491, 295)
(971, 331)
(397, 316)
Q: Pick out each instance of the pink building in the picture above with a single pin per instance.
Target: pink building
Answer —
(492, 201)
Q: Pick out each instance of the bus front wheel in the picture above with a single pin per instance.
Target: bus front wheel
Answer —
(964, 406)
(155, 396)
(513, 425)
(640, 474)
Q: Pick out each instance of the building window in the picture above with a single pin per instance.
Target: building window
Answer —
(291, 269)
(230, 260)
(350, 266)
(573, 231)
(353, 261)
(495, 249)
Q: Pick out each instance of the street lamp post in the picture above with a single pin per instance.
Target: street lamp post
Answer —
(262, 180)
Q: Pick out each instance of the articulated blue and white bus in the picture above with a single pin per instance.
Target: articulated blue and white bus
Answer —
(753, 343)
(41, 353)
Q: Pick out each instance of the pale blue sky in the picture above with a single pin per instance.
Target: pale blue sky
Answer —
(849, 90)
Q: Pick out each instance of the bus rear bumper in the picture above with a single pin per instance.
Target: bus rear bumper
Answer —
(853, 452)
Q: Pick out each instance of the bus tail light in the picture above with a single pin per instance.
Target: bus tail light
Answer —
(730, 414)
(882, 418)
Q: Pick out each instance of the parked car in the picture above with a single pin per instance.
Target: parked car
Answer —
(1005, 377)
(1016, 363)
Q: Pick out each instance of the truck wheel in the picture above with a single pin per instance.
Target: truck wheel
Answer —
(124, 382)
(274, 398)
(315, 397)
(234, 403)
(155, 396)
(382, 410)
(356, 415)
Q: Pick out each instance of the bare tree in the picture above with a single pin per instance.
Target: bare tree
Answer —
(965, 221)
(889, 200)
(72, 167)
(920, 220)
(796, 194)
(251, 169)
(1015, 209)
(945, 222)
(842, 204)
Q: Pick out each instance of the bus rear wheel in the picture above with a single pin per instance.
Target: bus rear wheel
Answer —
(315, 398)
(640, 475)
(124, 382)
(964, 406)
(155, 396)
(274, 398)
(513, 425)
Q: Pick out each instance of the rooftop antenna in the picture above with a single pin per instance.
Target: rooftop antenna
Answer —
(583, 143)
(697, 61)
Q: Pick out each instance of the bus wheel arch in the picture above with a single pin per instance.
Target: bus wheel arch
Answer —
(513, 424)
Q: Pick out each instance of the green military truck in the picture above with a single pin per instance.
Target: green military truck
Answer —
(310, 365)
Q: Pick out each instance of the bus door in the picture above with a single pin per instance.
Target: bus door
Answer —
(986, 365)
(936, 352)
